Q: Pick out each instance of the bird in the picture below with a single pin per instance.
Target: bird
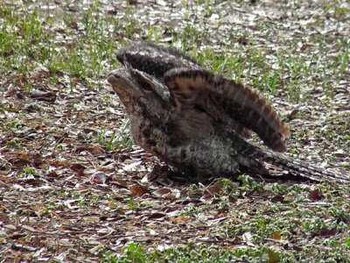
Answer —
(240, 108)
(190, 118)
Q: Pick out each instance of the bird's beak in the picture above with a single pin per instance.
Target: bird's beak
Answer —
(113, 78)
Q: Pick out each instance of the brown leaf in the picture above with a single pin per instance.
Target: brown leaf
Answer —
(52, 174)
(162, 192)
(276, 235)
(120, 183)
(277, 198)
(78, 169)
(316, 195)
(138, 190)
(213, 190)
(19, 159)
(326, 232)
(48, 96)
(94, 149)
(180, 220)
(16, 235)
(156, 215)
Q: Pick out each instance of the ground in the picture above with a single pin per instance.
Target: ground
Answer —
(75, 188)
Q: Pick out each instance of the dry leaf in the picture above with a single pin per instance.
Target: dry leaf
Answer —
(276, 235)
(138, 190)
(78, 169)
(180, 220)
(316, 195)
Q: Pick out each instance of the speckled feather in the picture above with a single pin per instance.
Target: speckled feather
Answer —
(221, 98)
(232, 105)
(192, 142)
(154, 60)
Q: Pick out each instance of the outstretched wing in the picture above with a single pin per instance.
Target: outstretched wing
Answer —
(227, 102)
(154, 60)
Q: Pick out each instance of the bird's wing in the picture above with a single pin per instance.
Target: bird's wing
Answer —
(227, 101)
(154, 60)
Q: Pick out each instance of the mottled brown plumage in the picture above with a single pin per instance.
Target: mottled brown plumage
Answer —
(231, 104)
(191, 140)
(154, 60)
(225, 100)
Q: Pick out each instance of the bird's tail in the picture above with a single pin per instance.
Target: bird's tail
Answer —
(273, 164)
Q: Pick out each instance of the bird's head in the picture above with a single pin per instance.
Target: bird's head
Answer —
(139, 92)
(126, 88)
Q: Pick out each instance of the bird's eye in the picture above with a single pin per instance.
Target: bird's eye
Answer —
(147, 87)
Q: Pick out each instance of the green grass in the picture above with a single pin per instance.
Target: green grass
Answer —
(113, 141)
(198, 253)
(27, 40)
(191, 253)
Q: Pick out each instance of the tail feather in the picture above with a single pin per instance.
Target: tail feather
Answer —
(286, 166)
